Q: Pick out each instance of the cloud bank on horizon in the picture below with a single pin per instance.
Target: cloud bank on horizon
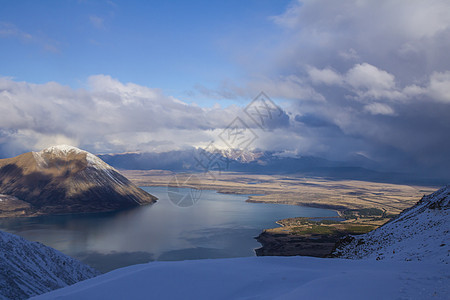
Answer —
(353, 77)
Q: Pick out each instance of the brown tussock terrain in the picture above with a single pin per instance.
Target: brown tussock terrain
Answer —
(59, 182)
(296, 190)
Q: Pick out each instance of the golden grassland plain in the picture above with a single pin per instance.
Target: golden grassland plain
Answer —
(295, 190)
(364, 205)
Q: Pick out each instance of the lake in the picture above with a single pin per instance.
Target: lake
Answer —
(217, 226)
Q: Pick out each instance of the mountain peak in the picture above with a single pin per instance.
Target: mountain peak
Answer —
(66, 152)
(62, 149)
(65, 179)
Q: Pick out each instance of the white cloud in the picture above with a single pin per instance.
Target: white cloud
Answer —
(379, 109)
(325, 76)
(413, 19)
(413, 91)
(370, 82)
(439, 86)
(369, 77)
(42, 141)
(109, 116)
(367, 81)
(406, 38)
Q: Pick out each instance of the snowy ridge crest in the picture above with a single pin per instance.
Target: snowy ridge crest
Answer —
(438, 200)
(62, 151)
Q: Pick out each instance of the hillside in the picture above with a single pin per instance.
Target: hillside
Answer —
(64, 179)
(420, 233)
(29, 268)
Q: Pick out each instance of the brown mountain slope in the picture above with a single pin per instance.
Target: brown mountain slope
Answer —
(64, 179)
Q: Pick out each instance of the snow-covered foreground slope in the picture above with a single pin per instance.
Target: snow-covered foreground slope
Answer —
(421, 233)
(30, 268)
(266, 278)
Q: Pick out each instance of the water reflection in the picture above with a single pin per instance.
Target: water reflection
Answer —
(219, 225)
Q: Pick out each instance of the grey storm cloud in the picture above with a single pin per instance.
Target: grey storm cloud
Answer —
(362, 77)
(352, 77)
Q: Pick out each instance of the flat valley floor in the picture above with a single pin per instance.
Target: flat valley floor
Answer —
(294, 190)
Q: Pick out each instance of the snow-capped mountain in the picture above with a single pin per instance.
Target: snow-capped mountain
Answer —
(65, 179)
(192, 159)
(262, 162)
(242, 156)
(29, 268)
(420, 233)
(45, 157)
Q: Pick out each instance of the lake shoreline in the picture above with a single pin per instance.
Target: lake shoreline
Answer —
(217, 226)
(345, 197)
(339, 195)
(283, 242)
(306, 237)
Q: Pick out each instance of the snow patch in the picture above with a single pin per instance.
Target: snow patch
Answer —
(41, 162)
(265, 278)
(97, 163)
(63, 151)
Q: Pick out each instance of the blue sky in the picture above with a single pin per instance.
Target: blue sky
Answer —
(351, 78)
(172, 45)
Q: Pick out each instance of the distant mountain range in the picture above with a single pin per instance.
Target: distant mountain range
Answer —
(64, 179)
(264, 162)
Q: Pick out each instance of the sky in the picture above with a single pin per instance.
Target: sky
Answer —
(350, 78)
